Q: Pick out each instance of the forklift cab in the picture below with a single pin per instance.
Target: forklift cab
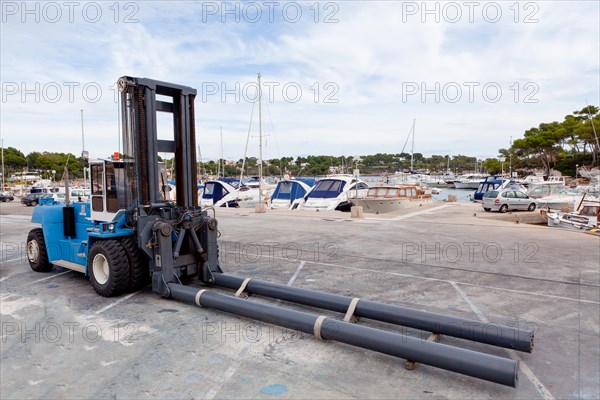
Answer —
(108, 189)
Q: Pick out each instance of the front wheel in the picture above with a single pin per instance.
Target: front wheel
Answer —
(503, 208)
(139, 274)
(531, 207)
(108, 268)
(36, 251)
(34, 203)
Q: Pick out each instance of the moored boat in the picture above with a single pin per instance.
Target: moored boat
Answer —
(469, 181)
(388, 198)
(290, 192)
(585, 218)
(334, 192)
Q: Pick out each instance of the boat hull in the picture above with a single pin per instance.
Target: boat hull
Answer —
(466, 185)
(381, 206)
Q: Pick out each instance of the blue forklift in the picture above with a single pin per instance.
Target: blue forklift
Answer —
(131, 235)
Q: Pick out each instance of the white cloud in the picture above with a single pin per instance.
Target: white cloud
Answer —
(370, 54)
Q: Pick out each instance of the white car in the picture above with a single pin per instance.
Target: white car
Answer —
(507, 199)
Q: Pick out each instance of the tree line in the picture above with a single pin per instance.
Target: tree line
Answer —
(555, 145)
(49, 165)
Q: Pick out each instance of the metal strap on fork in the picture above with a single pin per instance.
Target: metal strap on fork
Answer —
(317, 328)
(240, 292)
(198, 295)
(349, 317)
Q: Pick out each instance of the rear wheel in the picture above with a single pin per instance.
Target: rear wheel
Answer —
(108, 268)
(503, 208)
(34, 203)
(531, 207)
(36, 251)
(139, 275)
(487, 209)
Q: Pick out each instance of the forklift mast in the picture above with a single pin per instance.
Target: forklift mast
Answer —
(141, 144)
(178, 238)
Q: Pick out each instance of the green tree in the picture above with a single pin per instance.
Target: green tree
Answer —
(13, 160)
(541, 144)
(492, 166)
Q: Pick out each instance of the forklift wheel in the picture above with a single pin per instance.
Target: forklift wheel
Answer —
(36, 251)
(139, 274)
(108, 268)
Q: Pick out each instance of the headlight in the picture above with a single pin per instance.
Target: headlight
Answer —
(111, 227)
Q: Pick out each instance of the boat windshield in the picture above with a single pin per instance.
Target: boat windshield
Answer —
(215, 191)
(327, 189)
(287, 190)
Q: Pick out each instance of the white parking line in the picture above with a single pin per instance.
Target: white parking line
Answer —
(413, 214)
(12, 259)
(544, 392)
(293, 278)
(114, 303)
(48, 277)
(8, 276)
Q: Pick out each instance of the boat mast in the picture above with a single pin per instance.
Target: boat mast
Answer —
(221, 162)
(84, 154)
(1, 190)
(412, 150)
(510, 159)
(202, 169)
(260, 166)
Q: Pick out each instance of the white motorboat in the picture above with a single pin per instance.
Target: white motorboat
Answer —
(226, 192)
(290, 192)
(542, 188)
(334, 192)
(567, 199)
(469, 181)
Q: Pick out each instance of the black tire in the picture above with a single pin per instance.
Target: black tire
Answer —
(487, 209)
(139, 275)
(108, 268)
(503, 208)
(34, 203)
(37, 254)
(531, 207)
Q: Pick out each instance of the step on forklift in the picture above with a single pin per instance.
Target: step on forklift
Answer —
(131, 234)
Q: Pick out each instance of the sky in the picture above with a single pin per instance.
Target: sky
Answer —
(340, 77)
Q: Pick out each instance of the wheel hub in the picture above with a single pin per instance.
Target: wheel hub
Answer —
(100, 268)
(33, 251)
